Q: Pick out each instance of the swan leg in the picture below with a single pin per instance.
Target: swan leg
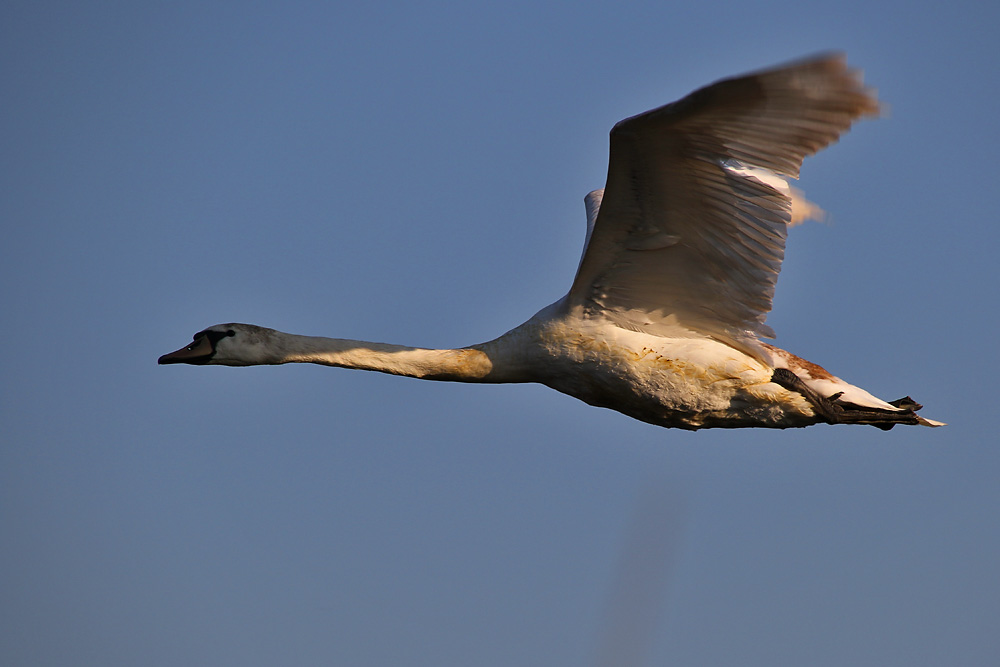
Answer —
(832, 411)
(824, 406)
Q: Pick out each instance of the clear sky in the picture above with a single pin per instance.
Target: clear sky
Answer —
(414, 173)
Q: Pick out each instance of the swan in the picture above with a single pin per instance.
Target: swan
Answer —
(665, 318)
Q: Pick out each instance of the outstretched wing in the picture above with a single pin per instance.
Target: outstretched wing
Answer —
(690, 233)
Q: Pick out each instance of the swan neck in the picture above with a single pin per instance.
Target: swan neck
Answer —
(462, 365)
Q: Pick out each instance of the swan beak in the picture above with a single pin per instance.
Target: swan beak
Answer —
(197, 352)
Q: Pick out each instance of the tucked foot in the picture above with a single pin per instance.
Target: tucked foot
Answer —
(834, 411)
(906, 403)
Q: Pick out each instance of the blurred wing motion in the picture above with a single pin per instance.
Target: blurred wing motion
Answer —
(690, 232)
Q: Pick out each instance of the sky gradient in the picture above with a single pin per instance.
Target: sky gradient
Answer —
(414, 174)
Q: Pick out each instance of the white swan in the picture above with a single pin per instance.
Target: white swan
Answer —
(684, 246)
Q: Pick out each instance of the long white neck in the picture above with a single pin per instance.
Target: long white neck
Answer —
(495, 361)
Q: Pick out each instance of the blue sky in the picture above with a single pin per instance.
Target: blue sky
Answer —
(415, 174)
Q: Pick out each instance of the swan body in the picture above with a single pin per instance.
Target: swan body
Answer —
(665, 317)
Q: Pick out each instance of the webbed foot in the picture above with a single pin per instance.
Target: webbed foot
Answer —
(834, 411)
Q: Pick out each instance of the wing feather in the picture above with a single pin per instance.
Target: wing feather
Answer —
(691, 229)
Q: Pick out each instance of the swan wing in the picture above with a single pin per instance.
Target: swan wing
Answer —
(593, 203)
(690, 231)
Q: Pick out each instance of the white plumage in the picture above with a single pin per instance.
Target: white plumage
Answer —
(664, 319)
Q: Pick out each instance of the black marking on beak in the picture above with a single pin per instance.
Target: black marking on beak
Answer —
(200, 351)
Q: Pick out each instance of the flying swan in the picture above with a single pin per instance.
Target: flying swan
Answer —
(664, 319)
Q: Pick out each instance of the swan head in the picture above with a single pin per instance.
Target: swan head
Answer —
(227, 345)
